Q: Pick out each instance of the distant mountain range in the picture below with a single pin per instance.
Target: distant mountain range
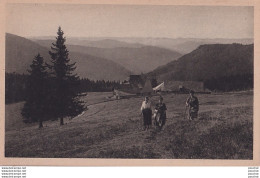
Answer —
(21, 51)
(102, 43)
(117, 58)
(138, 59)
(180, 45)
(209, 61)
(184, 45)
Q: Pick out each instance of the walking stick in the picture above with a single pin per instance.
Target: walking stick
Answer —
(185, 112)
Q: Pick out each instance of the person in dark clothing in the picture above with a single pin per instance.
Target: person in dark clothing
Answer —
(147, 113)
(160, 113)
(193, 104)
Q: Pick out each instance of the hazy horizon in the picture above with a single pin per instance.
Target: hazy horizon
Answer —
(105, 37)
(112, 37)
(131, 21)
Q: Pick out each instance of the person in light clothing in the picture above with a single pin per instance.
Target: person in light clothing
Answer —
(147, 113)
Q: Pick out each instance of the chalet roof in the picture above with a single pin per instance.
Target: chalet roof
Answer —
(147, 87)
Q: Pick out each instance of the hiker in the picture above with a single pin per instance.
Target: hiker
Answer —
(193, 104)
(160, 113)
(146, 111)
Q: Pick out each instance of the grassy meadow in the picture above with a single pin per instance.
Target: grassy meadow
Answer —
(113, 129)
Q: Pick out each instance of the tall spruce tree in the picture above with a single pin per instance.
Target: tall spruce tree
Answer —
(65, 82)
(36, 104)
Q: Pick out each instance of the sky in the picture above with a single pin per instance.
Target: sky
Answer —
(31, 20)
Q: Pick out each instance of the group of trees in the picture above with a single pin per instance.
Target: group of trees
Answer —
(52, 89)
(15, 88)
(230, 83)
(87, 85)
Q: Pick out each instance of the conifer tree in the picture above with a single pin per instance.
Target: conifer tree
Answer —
(36, 104)
(65, 82)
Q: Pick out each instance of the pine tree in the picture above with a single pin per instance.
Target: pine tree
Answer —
(36, 106)
(65, 83)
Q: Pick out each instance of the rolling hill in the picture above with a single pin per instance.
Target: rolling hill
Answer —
(137, 59)
(183, 45)
(180, 45)
(188, 45)
(98, 68)
(21, 51)
(209, 61)
(101, 43)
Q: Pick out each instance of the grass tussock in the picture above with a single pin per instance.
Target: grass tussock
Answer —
(229, 136)
(134, 152)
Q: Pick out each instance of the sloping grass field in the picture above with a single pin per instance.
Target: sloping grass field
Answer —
(113, 129)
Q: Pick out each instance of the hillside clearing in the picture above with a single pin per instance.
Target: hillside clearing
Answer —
(224, 130)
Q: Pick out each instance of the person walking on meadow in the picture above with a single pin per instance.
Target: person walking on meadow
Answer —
(146, 111)
(193, 104)
(160, 113)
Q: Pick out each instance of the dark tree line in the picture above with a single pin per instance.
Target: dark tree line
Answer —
(230, 83)
(87, 85)
(15, 88)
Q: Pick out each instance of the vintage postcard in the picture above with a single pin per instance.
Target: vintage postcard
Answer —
(96, 83)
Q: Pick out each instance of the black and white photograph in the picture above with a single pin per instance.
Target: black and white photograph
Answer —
(111, 81)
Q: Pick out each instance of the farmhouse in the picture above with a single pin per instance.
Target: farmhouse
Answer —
(137, 84)
(133, 84)
(184, 86)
